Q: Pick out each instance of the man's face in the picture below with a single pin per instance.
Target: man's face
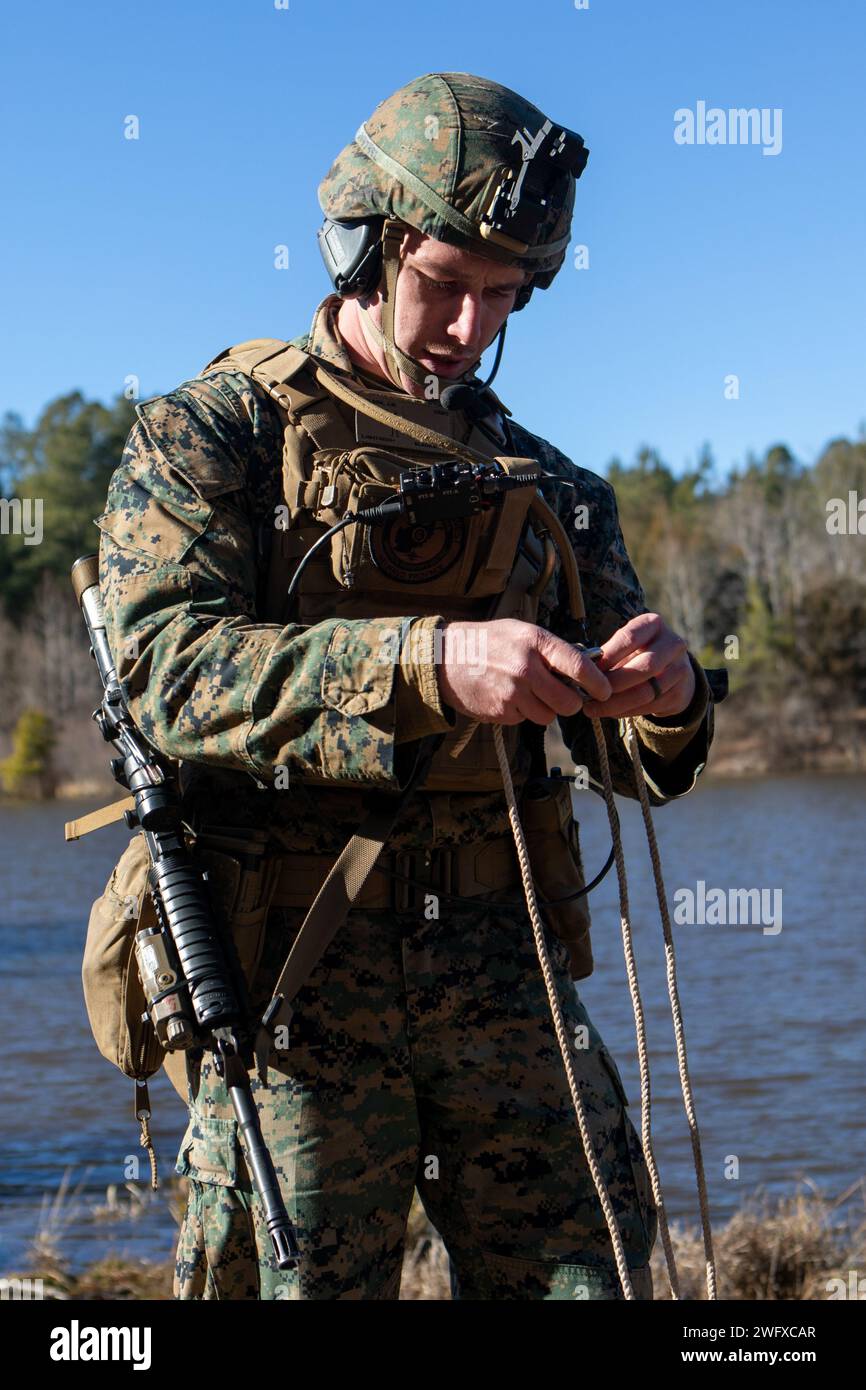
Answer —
(450, 304)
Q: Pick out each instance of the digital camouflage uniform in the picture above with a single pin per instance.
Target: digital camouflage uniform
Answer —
(420, 1052)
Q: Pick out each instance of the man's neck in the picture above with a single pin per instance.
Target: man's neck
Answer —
(350, 332)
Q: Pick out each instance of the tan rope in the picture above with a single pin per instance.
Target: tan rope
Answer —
(676, 1010)
(464, 739)
(556, 1014)
(146, 1142)
(637, 1005)
(637, 1009)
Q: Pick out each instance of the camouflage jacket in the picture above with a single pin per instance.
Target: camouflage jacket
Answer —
(233, 697)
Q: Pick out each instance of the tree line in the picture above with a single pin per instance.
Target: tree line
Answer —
(762, 570)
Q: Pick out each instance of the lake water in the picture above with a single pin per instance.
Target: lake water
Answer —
(774, 1019)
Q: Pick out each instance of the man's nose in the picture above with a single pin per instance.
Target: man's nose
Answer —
(467, 325)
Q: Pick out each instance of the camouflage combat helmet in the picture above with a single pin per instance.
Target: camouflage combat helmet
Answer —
(464, 160)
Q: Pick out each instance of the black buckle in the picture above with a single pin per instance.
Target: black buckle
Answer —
(404, 895)
(434, 870)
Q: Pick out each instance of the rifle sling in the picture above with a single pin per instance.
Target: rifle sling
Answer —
(95, 820)
(332, 904)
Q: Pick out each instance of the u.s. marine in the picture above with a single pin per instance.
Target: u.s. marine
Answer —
(420, 1051)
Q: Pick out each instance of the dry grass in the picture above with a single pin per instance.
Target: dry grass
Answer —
(425, 1264)
(108, 1279)
(112, 1277)
(785, 1248)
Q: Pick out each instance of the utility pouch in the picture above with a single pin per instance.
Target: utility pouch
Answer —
(552, 839)
(437, 559)
(113, 995)
(241, 882)
(447, 555)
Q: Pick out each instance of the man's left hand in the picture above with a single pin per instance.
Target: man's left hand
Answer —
(649, 671)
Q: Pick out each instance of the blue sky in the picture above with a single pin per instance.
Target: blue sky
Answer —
(147, 257)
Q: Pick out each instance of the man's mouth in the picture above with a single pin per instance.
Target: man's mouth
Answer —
(446, 366)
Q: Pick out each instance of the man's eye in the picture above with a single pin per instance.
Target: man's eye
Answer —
(499, 291)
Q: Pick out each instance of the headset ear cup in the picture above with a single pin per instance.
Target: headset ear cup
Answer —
(366, 283)
(368, 278)
(352, 252)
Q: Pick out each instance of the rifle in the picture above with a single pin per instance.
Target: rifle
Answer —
(191, 998)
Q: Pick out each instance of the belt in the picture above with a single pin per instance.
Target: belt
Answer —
(468, 871)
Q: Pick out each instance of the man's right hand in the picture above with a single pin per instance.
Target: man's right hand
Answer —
(503, 671)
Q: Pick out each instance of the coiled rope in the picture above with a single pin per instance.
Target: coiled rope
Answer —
(637, 1007)
(676, 1009)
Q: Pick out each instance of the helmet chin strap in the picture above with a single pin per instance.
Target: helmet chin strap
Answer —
(395, 359)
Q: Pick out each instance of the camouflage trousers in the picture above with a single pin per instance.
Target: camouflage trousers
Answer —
(420, 1054)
